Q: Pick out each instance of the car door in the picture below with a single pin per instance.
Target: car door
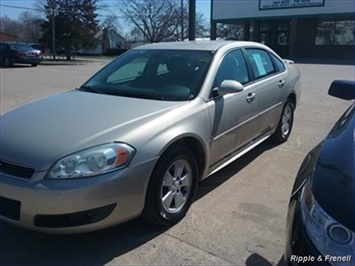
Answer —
(232, 115)
(2, 52)
(270, 79)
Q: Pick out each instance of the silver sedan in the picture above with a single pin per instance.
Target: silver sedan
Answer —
(139, 135)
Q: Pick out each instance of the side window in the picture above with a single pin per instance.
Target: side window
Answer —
(261, 62)
(279, 64)
(232, 67)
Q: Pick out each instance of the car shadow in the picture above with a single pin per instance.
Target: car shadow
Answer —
(16, 66)
(257, 260)
(23, 247)
(214, 181)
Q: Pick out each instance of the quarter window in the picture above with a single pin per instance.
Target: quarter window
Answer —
(261, 62)
(279, 64)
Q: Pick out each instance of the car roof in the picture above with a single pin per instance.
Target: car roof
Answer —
(197, 45)
(15, 43)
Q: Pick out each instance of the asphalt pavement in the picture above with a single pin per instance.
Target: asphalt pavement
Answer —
(239, 215)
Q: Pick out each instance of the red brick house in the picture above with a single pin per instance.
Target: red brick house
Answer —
(6, 37)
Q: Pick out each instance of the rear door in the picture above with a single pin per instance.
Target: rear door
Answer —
(270, 79)
(2, 51)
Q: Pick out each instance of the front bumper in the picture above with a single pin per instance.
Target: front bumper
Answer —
(74, 205)
(299, 248)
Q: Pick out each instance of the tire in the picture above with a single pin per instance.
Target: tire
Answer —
(34, 65)
(7, 62)
(284, 127)
(172, 187)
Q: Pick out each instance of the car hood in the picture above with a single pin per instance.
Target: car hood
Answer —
(333, 179)
(37, 134)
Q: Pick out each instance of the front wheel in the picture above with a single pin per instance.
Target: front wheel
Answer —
(172, 187)
(284, 127)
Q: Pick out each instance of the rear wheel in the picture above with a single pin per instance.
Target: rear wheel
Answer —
(284, 127)
(172, 187)
(7, 62)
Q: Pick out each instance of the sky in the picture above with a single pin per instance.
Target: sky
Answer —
(202, 6)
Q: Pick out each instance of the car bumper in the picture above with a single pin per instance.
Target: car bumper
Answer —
(74, 205)
(299, 248)
(27, 60)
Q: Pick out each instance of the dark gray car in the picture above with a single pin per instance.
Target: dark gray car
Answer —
(19, 53)
(138, 136)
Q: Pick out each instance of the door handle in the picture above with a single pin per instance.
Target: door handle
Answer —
(251, 97)
(281, 83)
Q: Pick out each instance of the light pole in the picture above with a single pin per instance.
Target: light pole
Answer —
(182, 20)
(192, 19)
(53, 7)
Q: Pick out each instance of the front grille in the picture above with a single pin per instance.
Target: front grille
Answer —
(16, 170)
(10, 208)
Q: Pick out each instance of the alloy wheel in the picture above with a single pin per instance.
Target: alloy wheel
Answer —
(176, 186)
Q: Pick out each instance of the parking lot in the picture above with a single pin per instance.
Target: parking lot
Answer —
(239, 215)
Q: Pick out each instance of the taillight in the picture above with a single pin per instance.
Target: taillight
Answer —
(20, 54)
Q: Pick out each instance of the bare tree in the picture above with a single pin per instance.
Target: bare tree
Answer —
(27, 28)
(10, 26)
(110, 22)
(152, 17)
(31, 25)
(159, 20)
(230, 31)
(181, 31)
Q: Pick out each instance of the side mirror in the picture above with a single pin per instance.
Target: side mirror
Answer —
(229, 86)
(343, 89)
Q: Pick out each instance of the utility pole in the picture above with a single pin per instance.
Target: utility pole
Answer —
(192, 20)
(53, 7)
(182, 19)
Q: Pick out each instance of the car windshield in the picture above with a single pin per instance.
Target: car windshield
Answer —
(20, 47)
(171, 75)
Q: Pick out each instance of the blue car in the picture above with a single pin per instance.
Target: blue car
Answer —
(321, 215)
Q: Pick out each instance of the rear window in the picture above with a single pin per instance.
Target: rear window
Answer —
(20, 46)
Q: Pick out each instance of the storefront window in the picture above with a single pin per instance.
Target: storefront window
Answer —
(283, 25)
(230, 31)
(265, 26)
(335, 32)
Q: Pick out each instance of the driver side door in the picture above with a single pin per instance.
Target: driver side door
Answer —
(232, 115)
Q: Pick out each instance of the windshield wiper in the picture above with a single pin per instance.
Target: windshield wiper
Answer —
(90, 89)
(135, 95)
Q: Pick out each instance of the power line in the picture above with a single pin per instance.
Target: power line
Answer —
(21, 7)
(33, 9)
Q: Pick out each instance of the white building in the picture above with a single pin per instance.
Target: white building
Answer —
(113, 40)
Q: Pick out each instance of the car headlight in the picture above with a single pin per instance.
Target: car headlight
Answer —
(94, 161)
(334, 241)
